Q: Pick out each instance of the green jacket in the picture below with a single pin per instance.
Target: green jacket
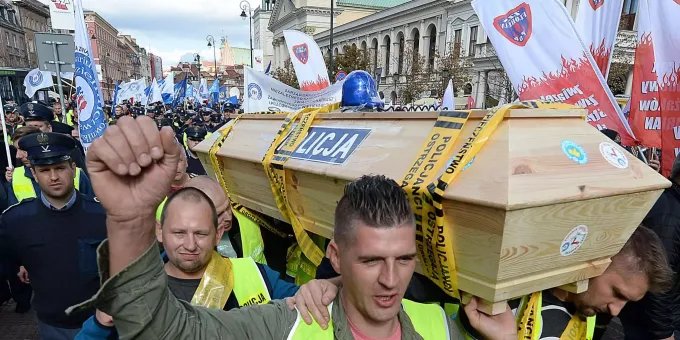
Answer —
(142, 306)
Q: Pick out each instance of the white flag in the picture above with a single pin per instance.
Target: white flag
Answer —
(36, 80)
(133, 89)
(597, 23)
(448, 102)
(310, 67)
(168, 84)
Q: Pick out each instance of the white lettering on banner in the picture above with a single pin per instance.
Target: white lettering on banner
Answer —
(652, 123)
(676, 132)
(590, 101)
(650, 86)
(595, 116)
(333, 145)
(562, 96)
(649, 105)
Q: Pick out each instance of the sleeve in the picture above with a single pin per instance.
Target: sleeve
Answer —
(7, 249)
(280, 289)
(325, 270)
(11, 197)
(85, 186)
(142, 307)
(93, 330)
(455, 332)
(658, 308)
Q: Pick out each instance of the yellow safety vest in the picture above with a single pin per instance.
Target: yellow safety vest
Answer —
(428, 320)
(251, 236)
(298, 266)
(249, 285)
(23, 186)
(69, 118)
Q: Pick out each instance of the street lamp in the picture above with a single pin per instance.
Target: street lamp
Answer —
(245, 4)
(211, 43)
(197, 59)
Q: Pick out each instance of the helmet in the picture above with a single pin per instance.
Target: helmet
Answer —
(359, 89)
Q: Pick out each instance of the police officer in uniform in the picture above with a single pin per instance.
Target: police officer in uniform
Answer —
(12, 120)
(41, 116)
(54, 237)
(22, 183)
(195, 135)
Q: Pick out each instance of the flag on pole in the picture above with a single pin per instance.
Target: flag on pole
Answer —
(180, 92)
(269, 67)
(203, 90)
(597, 23)
(663, 16)
(645, 113)
(448, 102)
(92, 121)
(36, 80)
(523, 33)
(115, 98)
(471, 103)
(154, 94)
(214, 92)
(167, 88)
(310, 67)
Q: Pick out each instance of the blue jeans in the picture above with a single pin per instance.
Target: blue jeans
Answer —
(48, 332)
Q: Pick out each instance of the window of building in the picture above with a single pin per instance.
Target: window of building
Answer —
(7, 37)
(14, 37)
(473, 40)
(630, 8)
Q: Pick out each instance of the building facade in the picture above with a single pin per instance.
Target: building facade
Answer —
(156, 66)
(35, 18)
(313, 17)
(262, 36)
(108, 52)
(145, 65)
(14, 64)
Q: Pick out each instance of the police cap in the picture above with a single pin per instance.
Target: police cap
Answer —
(196, 133)
(34, 111)
(197, 120)
(47, 148)
(9, 108)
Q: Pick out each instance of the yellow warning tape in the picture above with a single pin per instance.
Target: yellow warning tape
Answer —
(274, 162)
(216, 284)
(435, 247)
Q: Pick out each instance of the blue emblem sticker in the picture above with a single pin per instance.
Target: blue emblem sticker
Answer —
(469, 164)
(575, 152)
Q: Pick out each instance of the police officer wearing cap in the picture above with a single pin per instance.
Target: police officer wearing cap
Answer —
(195, 135)
(41, 116)
(12, 120)
(54, 237)
(22, 183)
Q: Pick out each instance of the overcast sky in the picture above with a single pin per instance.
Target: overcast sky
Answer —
(172, 28)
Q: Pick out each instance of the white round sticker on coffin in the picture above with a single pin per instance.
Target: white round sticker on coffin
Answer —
(614, 155)
(574, 240)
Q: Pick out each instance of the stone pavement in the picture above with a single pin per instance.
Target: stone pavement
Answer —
(15, 326)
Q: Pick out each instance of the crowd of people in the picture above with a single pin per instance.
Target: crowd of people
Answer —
(137, 242)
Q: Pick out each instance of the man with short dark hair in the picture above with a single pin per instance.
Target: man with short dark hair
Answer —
(657, 316)
(54, 236)
(382, 255)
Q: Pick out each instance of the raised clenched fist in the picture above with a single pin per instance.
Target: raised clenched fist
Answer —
(131, 167)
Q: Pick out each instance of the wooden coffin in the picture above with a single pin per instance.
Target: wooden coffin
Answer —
(512, 210)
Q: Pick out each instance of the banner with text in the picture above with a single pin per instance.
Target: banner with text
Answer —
(645, 116)
(524, 35)
(92, 121)
(132, 90)
(310, 67)
(666, 38)
(597, 23)
(264, 93)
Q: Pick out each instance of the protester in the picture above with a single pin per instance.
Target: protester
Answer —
(194, 136)
(54, 237)
(657, 315)
(382, 226)
(190, 229)
(21, 183)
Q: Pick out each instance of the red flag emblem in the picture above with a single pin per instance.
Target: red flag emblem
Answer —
(516, 25)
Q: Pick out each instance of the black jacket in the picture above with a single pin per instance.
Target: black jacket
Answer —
(657, 316)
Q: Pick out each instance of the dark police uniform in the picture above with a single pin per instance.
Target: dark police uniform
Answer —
(194, 166)
(35, 111)
(57, 246)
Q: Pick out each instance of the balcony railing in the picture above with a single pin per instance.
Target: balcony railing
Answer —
(485, 50)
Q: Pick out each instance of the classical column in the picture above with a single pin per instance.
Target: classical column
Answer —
(423, 34)
(481, 88)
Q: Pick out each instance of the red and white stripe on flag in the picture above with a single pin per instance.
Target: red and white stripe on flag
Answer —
(645, 116)
(666, 38)
(537, 43)
(597, 23)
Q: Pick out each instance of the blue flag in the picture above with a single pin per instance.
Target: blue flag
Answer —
(89, 97)
(223, 93)
(269, 67)
(180, 92)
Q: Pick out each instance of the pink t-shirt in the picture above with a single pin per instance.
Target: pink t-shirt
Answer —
(358, 336)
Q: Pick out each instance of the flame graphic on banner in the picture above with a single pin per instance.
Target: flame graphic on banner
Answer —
(669, 91)
(645, 116)
(602, 55)
(317, 85)
(575, 83)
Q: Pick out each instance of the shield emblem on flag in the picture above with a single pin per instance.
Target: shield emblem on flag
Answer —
(516, 25)
(595, 4)
(301, 52)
